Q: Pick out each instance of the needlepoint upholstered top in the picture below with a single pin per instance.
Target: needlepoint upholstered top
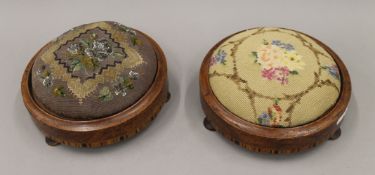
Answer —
(93, 72)
(274, 77)
(274, 90)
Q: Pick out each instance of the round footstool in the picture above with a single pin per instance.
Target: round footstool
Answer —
(274, 90)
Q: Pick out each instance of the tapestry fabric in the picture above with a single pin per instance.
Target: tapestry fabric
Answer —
(93, 71)
(274, 77)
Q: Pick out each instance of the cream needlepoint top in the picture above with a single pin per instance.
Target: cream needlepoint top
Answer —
(274, 77)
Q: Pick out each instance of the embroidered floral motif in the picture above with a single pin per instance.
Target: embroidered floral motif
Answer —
(99, 50)
(74, 48)
(285, 46)
(120, 87)
(89, 52)
(264, 119)
(278, 60)
(105, 94)
(125, 83)
(133, 34)
(45, 76)
(133, 75)
(280, 73)
(59, 91)
(219, 58)
(273, 115)
(333, 71)
(295, 99)
(87, 57)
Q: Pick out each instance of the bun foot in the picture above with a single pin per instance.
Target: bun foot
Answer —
(208, 125)
(168, 96)
(51, 142)
(336, 135)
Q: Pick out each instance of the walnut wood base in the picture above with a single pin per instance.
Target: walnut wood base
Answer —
(256, 143)
(51, 142)
(103, 131)
(208, 125)
(168, 96)
(265, 149)
(336, 134)
(56, 142)
(267, 139)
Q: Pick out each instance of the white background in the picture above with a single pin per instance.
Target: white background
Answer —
(177, 143)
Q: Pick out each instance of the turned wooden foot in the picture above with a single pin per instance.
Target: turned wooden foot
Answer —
(51, 142)
(208, 125)
(168, 96)
(336, 135)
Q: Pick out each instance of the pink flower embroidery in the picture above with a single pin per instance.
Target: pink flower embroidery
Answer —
(282, 75)
(279, 73)
(268, 73)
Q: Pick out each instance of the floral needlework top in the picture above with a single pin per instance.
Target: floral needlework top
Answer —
(271, 117)
(274, 77)
(218, 58)
(94, 70)
(278, 60)
(333, 71)
(120, 87)
(94, 56)
(90, 53)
